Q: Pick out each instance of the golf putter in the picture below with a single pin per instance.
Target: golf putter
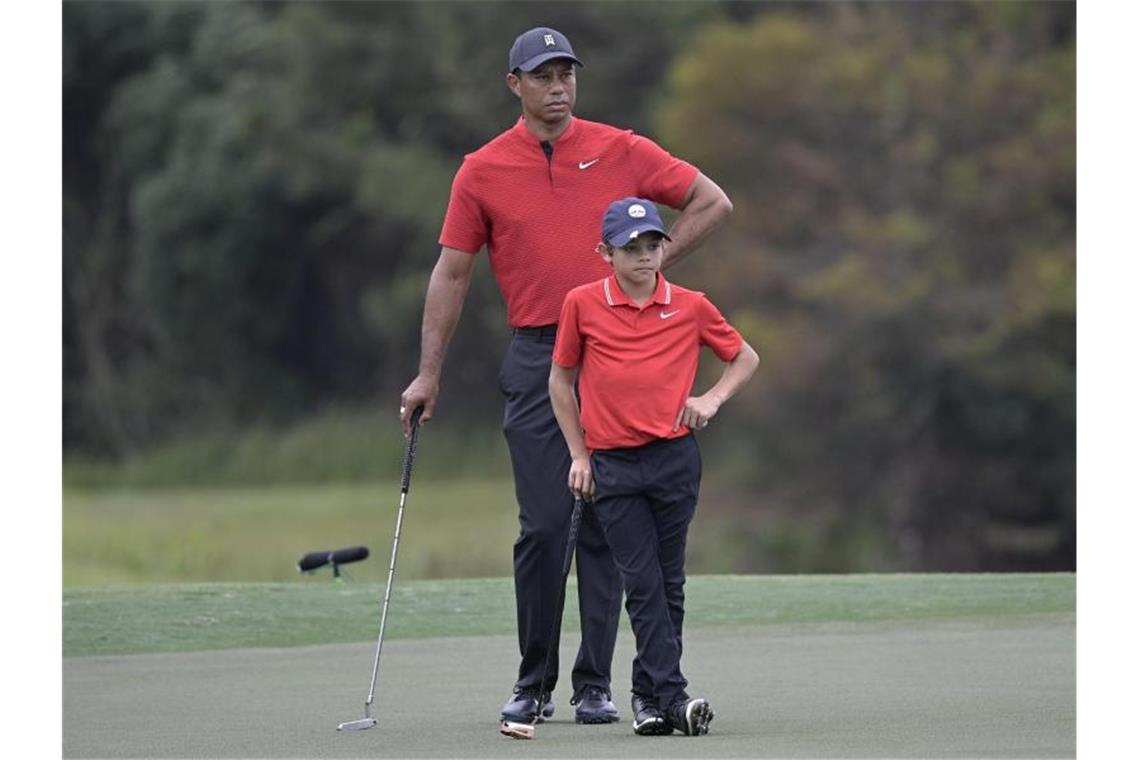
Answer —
(368, 721)
(526, 730)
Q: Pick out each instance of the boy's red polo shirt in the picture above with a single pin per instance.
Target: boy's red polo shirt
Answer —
(637, 364)
(540, 219)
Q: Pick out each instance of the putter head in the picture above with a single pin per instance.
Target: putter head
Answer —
(517, 730)
(357, 725)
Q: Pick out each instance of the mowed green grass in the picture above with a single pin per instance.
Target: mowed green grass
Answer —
(174, 618)
(455, 528)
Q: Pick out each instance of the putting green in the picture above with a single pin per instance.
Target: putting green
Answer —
(795, 666)
(951, 689)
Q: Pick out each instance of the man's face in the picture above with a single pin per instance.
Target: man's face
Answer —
(548, 92)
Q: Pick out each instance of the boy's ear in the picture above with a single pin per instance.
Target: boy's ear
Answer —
(605, 252)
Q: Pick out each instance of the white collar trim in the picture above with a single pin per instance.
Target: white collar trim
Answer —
(610, 297)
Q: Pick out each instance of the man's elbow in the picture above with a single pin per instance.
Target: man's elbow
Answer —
(714, 204)
(709, 199)
(722, 204)
(454, 267)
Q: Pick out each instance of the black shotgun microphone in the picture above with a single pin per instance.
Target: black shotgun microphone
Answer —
(316, 560)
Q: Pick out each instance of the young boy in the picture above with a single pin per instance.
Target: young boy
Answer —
(633, 341)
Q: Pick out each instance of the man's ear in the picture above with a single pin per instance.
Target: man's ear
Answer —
(513, 84)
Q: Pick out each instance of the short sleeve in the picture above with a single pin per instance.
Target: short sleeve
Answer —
(661, 177)
(465, 224)
(717, 333)
(568, 340)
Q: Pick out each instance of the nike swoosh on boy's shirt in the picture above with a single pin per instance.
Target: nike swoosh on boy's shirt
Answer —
(587, 164)
(667, 314)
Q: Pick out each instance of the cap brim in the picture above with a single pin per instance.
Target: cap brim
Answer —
(629, 233)
(533, 63)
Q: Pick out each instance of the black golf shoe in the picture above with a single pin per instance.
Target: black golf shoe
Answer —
(647, 719)
(593, 704)
(521, 706)
(691, 717)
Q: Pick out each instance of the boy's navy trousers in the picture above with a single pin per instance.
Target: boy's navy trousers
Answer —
(541, 463)
(645, 499)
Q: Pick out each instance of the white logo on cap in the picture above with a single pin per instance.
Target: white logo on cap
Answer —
(548, 39)
(637, 211)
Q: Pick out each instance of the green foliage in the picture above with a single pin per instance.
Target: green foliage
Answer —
(904, 186)
(253, 192)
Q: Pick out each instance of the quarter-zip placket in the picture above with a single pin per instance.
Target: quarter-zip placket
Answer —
(548, 149)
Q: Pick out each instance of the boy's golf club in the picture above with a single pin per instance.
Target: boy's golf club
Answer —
(368, 721)
(526, 730)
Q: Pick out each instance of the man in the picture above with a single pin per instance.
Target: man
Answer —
(532, 196)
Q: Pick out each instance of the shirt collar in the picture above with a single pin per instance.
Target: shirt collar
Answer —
(615, 296)
(529, 137)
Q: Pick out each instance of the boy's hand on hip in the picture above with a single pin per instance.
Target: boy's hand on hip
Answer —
(581, 480)
(696, 412)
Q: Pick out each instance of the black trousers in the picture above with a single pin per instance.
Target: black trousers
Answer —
(646, 498)
(541, 463)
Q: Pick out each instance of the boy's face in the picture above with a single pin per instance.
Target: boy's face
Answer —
(639, 260)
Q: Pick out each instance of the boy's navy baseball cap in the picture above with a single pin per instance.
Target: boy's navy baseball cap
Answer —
(628, 218)
(536, 46)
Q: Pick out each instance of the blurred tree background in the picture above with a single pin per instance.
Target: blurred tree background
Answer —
(253, 193)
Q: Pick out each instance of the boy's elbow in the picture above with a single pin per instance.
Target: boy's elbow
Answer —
(751, 359)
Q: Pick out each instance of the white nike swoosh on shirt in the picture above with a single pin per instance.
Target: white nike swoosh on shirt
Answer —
(587, 164)
(667, 314)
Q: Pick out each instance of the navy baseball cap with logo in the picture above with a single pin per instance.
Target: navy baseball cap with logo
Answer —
(536, 46)
(628, 218)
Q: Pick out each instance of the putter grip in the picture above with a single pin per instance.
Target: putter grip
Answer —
(572, 538)
(410, 452)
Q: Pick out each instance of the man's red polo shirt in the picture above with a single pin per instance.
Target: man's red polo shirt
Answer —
(541, 220)
(636, 363)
